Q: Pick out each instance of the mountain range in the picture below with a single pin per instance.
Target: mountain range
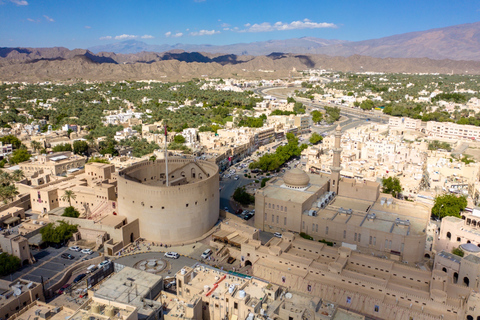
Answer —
(460, 42)
(447, 50)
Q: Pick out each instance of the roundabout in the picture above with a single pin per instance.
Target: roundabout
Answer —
(151, 265)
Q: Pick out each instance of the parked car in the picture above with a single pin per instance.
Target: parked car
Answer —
(172, 255)
(277, 234)
(87, 251)
(63, 289)
(239, 211)
(75, 248)
(207, 253)
(67, 256)
(79, 277)
(103, 263)
(92, 268)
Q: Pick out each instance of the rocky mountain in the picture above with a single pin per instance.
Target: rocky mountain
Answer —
(460, 42)
(184, 66)
(301, 45)
(454, 49)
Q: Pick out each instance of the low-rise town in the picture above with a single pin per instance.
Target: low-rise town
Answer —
(327, 195)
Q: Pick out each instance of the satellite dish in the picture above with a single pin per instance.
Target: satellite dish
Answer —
(288, 295)
(17, 291)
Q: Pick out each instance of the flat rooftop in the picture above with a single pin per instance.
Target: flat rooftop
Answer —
(130, 286)
(56, 313)
(387, 218)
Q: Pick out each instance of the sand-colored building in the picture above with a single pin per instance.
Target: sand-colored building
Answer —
(345, 211)
(180, 207)
(18, 295)
(58, 163)
(207, 293)
(375, 287)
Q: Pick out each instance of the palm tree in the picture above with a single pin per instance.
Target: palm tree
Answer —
(5, 178)
(18, 175)
(68, 196)
(36, 146)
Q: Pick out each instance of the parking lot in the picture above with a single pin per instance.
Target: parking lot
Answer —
(49, 265)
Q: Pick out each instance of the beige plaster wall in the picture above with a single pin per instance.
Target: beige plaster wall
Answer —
(170, 214)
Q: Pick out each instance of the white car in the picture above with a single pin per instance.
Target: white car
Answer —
(103, 263)
(277, 234)
(75, 248)
(87, 251)
(206, 254)
(172, 255)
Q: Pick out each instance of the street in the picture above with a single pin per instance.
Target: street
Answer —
(49, 264)
(228, 187)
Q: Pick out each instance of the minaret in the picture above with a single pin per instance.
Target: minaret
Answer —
(166, 156)
(336, 168)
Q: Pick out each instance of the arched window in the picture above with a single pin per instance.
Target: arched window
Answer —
(444, 270)
(455, 277)
(449, 236)
(466, 281)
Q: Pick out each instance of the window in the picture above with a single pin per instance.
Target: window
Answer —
(376, 308)
(277, 219)
(316, 228)
(355, 237)
(344, 234)
(458, 239)
(278, 207)
(370, 241)
(265, 217)
(281, 208)
(269, 206)
(235, 305)
(273, 218)
(326, 230)
(285, 221)
(359, 237)
(285, 209)
(374, 241)
(303, 225)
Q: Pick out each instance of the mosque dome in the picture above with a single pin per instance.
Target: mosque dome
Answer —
(296, 178)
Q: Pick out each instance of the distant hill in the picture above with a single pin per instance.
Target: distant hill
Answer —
(460, 42)
(301, 45)
(453, 49)
(184, 66)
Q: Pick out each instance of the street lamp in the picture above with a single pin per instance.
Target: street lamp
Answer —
(439, 210)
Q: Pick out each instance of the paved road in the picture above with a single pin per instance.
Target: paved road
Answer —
(228, 187)
(174, 265)
(49, 265)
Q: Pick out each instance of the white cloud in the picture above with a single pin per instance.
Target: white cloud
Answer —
(106, 38)
(147, 36)
(204, 33)
(225, 25)
(280, 26)
(176, 35)
(125, 36)
(48, 18)
(20, 2)
(88, 27)
(31, 20)
(226, 29)
(247, 25)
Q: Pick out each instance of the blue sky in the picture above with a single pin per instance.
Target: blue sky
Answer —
(85, 23)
